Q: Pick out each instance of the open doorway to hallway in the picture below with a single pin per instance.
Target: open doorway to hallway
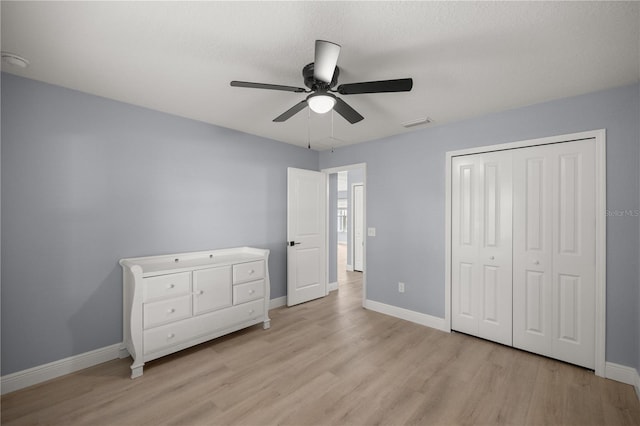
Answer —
(346, 228)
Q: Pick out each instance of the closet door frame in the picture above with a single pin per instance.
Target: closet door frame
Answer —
(599, 137)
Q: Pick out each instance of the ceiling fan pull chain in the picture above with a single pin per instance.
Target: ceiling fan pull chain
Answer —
(332, 137)
(308, 128)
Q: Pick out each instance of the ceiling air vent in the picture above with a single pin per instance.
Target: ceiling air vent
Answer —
(417, 122)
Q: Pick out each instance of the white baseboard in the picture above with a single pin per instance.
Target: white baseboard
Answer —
(406, 314)
(277, 302)
(332, 286)
(624, 374)
(350, 268)
(42, 373)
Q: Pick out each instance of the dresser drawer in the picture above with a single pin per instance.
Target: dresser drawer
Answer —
(211, 323)
(167, 286)
(168, 335)
(165, 311)
(231, 316)
(249, 271)
(247, 292)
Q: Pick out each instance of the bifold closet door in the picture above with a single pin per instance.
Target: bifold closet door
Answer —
(554, 251)
(481, 269)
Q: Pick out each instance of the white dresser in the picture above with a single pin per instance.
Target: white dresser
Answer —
(171, 302)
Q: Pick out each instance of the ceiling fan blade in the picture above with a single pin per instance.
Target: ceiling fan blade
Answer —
(349, 114)
(399, 85)
(291, 112)
(325, 61)
(267, 86)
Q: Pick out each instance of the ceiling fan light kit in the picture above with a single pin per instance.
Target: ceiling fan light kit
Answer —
(321, 76)
(321, 103)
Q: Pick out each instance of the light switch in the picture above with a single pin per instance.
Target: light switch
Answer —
(371, 232)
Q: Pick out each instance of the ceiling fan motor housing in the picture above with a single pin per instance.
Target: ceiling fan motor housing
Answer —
(313, 84)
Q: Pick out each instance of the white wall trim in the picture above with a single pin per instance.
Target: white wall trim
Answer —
(42, 373)
(601, 232)
(406, 314)
(624, 374)
(349, 268)
(277, 302)
(333, 286)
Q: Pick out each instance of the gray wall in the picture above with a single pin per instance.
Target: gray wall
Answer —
(406, 196)
(87, 181)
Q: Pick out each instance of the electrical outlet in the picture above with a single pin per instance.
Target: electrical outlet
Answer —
(401, 287)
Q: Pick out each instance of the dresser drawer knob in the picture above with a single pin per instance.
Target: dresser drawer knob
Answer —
(251, 311)
(169, 286)
(251, 271)
(252, 291)
(170, 336)
(171, 310)
(201, 292)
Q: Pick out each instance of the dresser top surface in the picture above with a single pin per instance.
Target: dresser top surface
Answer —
(179, 262)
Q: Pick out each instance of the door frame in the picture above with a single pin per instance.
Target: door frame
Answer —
(346, 168)
(599, 137)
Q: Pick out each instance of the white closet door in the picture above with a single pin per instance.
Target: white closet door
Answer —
(554, 251)
(533, 248)
(482, 246)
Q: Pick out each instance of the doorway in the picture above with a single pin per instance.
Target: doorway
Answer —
(346, 264)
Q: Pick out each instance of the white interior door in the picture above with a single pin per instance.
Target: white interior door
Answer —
(481, 243)
(358, 227)
(554, 251)
(306, 232)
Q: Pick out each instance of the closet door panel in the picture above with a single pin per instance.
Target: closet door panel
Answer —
(574, 253)
(481, 246)
(532, 249)
(495, 255)
(464, 241)
(554, 251)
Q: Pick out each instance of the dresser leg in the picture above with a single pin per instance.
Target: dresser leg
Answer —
(267, 324)
(136, 370)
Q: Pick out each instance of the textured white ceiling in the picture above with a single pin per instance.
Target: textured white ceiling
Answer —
(466, 59)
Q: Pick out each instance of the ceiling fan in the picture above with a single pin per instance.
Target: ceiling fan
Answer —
(320, 77)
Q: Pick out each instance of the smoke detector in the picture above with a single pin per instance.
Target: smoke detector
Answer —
(15, 60)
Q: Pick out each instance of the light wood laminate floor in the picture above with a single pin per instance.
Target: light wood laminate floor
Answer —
(330, 361)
